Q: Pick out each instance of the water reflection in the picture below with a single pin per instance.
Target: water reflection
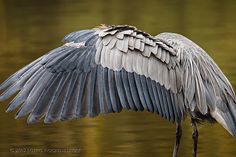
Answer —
(30, 28)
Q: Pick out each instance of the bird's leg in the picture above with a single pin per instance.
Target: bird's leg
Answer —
(177, 141)
(195, 138)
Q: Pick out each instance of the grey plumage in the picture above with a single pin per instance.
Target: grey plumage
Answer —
(140, 91)
(113, 92)
(146, 94)
(111, 68)
(127, 89)
(151, 95)
(134, 92)
(156, 98)
(120, 90)
(55, 105)
(69, 101)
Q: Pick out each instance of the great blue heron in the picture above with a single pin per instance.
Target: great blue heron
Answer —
(110, 68)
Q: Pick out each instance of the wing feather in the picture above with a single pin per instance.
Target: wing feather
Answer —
(42, 102)
(127, 88)
(24, 93)
(120, 90)
(35, 94)
(55, 105)
(134, 93)
(146, 94)
(140, 91)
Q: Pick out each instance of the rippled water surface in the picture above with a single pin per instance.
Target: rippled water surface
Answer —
(30, 28)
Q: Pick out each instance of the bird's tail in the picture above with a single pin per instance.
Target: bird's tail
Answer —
(225, 114)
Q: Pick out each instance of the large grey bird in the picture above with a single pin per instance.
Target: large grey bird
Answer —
(110, 68)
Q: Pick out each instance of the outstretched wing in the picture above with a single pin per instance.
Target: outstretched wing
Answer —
(103, 70)
(206, 89)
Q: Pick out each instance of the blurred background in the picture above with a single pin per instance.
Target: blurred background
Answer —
(30, 28)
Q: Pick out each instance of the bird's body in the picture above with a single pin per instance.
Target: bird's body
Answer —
(111, 68)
